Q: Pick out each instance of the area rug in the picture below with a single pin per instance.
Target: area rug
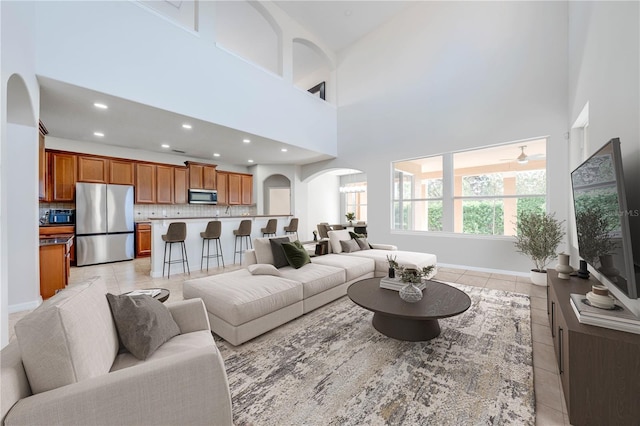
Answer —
(331, 367)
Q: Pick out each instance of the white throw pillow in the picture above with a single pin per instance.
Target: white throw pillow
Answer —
(335, 237)
(349, 246)
(263, 269)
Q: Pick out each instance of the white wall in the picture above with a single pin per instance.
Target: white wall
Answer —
(323, 203)
(604, 57)
(445, 76)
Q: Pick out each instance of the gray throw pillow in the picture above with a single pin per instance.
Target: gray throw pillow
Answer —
(279, 258)
(363, 243)
(143, 323)
(349, 246)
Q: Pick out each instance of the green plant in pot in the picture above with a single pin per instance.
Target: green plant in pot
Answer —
(393, 265)
(538, 236)
(412, 277)
(350, 217)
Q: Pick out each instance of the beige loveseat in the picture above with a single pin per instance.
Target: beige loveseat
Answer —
(243, 304)
(65, 369)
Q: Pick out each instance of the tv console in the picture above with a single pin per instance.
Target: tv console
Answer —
(599, 367)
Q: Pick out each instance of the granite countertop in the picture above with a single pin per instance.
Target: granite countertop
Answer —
(55, 241)
(216, 217)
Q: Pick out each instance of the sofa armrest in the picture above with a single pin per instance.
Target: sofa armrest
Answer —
(384, 246)
(190, 315)
(249, 258)
(189, 388)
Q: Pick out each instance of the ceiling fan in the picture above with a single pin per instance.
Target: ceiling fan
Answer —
(523, 158)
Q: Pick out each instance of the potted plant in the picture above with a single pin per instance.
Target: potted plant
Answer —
(412, 277)
(538, 236)
(350, 217)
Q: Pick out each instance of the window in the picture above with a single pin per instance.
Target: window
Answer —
(417, 199)
(489, 186)
(354, 188)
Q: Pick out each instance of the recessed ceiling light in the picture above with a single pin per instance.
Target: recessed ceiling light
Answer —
(250, 161)
(284, 149)
(186, 126)
(246, 140)
(99, 105)
(99, 134)
(215, 154)
(165, 145)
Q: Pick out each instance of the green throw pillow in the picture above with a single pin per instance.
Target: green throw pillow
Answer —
(296, 255)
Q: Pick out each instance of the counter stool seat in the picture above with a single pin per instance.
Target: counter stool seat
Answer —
(212, 232)
(244, 234)
(292, 228)
(271, 228)
(176, 233)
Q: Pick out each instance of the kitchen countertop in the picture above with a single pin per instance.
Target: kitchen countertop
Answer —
(216, 217)
(55, 241)
(50, 225)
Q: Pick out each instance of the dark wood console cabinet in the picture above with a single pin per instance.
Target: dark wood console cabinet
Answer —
(599, 367)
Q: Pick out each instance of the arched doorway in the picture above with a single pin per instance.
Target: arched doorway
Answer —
(277, 195)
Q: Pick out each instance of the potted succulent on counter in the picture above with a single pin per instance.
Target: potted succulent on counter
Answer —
(538, 236)
(350, 217)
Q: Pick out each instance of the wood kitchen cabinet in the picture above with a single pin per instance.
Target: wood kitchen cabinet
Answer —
(180, 188)
(55, 262)
(63, 176)
(238, 190)
(93, 169)
(145, 183)
(222, 184)
(164, 184)
(61, 231)
(42, 164)
(143, 239)
(246, 188)
(121, 172)
(201, 176)
(234, 189)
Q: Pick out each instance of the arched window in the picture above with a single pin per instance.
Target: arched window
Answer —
(311, 66)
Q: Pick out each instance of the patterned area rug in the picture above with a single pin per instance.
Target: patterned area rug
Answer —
(331, 367)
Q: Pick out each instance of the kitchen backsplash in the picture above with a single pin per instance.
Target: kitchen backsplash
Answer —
(147, 211)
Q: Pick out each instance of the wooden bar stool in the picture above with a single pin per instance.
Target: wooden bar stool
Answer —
(244, 233)
(213, 231)
(176, 233)
(292, 228)
(271, 228)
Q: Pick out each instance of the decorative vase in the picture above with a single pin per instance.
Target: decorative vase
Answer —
(538, 278)
(410, 293)
(563, 268)
(607, 268)
(583, 272)
(392, 273)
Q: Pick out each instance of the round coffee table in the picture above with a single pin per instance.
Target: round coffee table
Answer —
(402, 320)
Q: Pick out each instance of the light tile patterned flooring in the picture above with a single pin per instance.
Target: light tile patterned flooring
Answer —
(550, 404)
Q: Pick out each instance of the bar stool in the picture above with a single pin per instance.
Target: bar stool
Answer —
(244, 233)
(292, 228)
(271, 228)
(176, 233)
(213, 231)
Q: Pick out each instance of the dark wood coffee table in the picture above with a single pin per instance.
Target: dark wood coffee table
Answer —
(402, 320)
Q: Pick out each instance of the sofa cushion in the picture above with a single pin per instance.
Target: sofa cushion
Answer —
(143, 323)
(279, 257)
(262, 249)
(263, 269)
(408, 259)
(315, 278)
(363, 243)
(335, 237)
(349, 246)
(239, 297)
(69, 338)
(296, 255)
(355, 267)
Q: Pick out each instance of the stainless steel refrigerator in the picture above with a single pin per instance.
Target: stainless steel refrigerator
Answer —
(104, 223)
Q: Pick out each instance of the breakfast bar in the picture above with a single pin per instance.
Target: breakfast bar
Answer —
(193, 241)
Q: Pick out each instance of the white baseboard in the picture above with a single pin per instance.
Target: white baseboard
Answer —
(27, 306)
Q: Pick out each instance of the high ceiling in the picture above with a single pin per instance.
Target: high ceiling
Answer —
(68, 112)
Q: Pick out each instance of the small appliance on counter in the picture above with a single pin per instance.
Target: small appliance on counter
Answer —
(62, 216)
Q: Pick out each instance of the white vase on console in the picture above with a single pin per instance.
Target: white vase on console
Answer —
(563, 268)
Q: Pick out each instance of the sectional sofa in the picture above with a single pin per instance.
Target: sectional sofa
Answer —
(248, 302)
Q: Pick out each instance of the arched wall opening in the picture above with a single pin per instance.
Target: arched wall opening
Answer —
(19, 211)
(312, 66)
(277, 195)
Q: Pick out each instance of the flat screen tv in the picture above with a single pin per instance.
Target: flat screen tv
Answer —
(602, 218)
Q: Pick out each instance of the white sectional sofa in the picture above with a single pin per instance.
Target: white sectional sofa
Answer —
(242, 305)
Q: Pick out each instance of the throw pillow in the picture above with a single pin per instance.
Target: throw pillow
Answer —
(143, 323)
(279, 258)
(363, 243)
(263, 269)
(349, 246)
(355, 235)
(296, 255)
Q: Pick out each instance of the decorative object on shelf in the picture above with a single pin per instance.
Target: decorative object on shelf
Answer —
(583, 272)
(539, 235)
(350, 217)
(315, 235)
(393, 265)
(410, 292)
(600, 298)
(563, 268)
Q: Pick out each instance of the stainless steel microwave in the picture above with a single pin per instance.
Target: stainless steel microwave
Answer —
(203, 196)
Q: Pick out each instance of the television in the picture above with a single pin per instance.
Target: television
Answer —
(602, 218)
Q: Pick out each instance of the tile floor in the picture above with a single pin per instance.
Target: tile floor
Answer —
(550, 405)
